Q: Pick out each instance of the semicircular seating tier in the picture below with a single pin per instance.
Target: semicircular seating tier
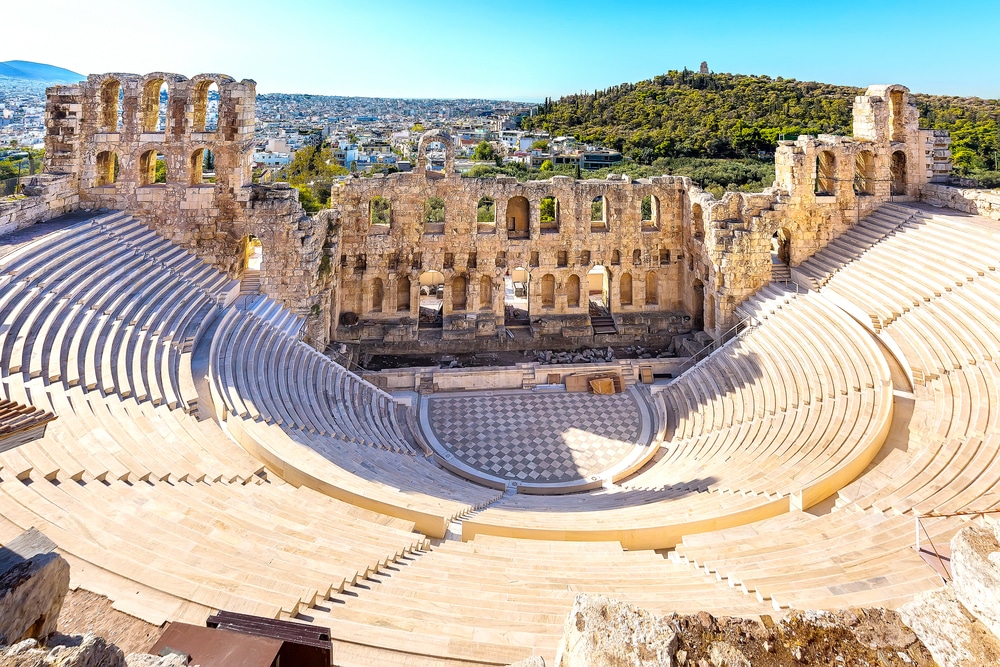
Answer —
(779, 418)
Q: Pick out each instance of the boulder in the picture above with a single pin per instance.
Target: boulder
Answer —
(975, 566)
(601, 632)
(34, 581)
(953, 636)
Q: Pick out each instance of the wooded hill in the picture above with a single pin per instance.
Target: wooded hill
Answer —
(688, 114)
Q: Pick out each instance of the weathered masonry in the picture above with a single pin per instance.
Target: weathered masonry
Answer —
(574, 261)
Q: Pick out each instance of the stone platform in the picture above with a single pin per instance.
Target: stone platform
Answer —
(539, 441)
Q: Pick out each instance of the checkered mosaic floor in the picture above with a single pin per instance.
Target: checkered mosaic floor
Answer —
(537, 437)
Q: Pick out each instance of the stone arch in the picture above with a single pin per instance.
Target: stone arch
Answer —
(897, 170)
(196, 166)
(459, 292)
(637, 257)
(573, 291)
(107, 168)
(652, 289)
(431, 302)
(443, 138)
(378, 294)
(206, 106)
(697, 221)
(403, 294)
(548, 289)
(599, 286)
(251, 257)
(599, 214)
(625, 289)
(649, 212)
(147, 167)
(864, 173)
(826, 173)
(152, 106)
(697, 303)
(781, 246)
(548, 215)
(518, 218)
(109, 115)
(485, 292)
(616, 257)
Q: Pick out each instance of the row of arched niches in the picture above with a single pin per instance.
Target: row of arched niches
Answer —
(170, 104)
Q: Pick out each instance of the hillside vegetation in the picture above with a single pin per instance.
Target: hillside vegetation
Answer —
(684, 114)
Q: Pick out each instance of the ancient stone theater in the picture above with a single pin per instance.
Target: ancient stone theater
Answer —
(182, 421)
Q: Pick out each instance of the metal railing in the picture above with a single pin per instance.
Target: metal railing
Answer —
(919, 527)
(738, 330)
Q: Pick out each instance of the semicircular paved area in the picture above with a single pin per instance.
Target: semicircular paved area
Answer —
(539, 437)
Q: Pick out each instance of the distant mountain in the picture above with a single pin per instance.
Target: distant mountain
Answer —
(22, 69)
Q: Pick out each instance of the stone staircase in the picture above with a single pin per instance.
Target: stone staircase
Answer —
(603, 324)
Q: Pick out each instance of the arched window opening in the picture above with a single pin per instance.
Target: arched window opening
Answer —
(515, 298)
(826, 170)
(864, 173)
(434, 216)
(616, 258)
(111, 91)
(196, 166)
(153, 108)
(431, 299)
(548, 291)
(598, 214)
(625, 289)
(518, 218)
(379, 212)
(403, 294)
(650, 212)
(898, 170)
(697, 304)
(573, 291)
(252, 252)
(485, 293)
(781, 247)
(206, 107)
(897, 122)
(107, 168)
(637, 257)
(652, 293)
(378, 293)
(548, 215)
(486, 214)
(150, 170)
(459, 292)
(697, 221)
(599, 291)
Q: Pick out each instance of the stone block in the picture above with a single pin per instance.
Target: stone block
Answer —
(975, 564)
(954, 637)
(601, 632)
(33, 585)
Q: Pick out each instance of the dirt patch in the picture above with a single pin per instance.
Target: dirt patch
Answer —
(84, 612)
(855, 638)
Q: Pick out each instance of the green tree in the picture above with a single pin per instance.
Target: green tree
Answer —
(484, 152)
(308, 200)
(434, 210)
(486, 210)
(546, 165)
(540, 145)
(417, 127)
(547, 209)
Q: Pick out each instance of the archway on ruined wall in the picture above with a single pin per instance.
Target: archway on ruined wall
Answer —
(573, 291)
(403, 287)
(431, 300)
(110, 114)
(152, 168)
(459, 293)
(826, 173)
(107, 168)
(649, 212)
(599, 291)
(625, 289)
(485, 292)
(378, 295)
(864, 173)
(201, 167)
(599, 214)
(517, 283)
(518, 218)
(548, 289)
(436, 152)
(153, 106)
(697, 304)
(897, 169)
(486, 215)
(897, 121)
(697, 221)
(781, 247)
(206, 106)
(548, 215)
(652, 289)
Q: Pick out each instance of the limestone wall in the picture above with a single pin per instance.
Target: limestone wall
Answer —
(44, 196)
(977, 202)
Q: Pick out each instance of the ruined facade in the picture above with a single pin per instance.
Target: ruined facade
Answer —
(668, 257)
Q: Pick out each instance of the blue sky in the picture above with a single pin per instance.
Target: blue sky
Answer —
(521, 50)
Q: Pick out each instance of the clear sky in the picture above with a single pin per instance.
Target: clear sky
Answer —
(522, 50)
